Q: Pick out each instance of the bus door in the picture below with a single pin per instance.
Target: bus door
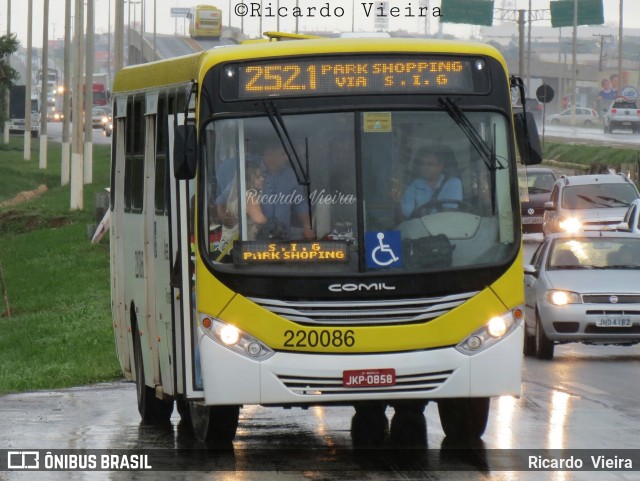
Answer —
(181, 194)
(157, 259)
(116, 245)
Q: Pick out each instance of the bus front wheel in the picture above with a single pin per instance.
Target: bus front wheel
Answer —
(464, 418)
(152, 410)
(214, 425)
(369, 425)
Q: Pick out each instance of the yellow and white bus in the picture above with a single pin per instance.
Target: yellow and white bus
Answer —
(331, 298)
(205, 21)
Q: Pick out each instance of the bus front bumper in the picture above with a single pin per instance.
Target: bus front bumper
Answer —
(289, 378)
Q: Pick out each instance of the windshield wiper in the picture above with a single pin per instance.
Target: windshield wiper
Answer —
(613, 199)
(591, 201)
(487, 152)
(301, 173)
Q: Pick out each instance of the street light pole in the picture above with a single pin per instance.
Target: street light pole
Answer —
(77, 159)
(66, 99)
(44, 94)
(27, 80)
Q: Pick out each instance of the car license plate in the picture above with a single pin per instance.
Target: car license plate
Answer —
(532, 220)
(369, 378)
(613, 322)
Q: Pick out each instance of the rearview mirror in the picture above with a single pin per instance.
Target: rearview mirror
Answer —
(185, 153)
(527, 138)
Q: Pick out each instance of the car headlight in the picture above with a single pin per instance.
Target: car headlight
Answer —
(570, 225)
(562, 298)
(496, 329)
(235, 339)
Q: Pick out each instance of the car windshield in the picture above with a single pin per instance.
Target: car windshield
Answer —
(594, 196)
(624, 104)
(595, 253)
(347, 195)
(537, 182)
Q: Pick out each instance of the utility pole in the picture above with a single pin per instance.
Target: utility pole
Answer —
(529, 51)
(27, 80)
(88, 96)
(574, 80)
(601, 38)
(7, 95)
(521, 43)
(119, 38)
(44, 109)
(620, 85)
(77, 159)
(66, 96)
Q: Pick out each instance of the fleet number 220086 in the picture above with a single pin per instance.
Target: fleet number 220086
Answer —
(321, 338)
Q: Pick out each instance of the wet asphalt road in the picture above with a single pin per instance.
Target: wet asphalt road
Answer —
(586, 398)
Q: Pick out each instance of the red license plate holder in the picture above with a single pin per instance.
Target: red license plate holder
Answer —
(369, 377)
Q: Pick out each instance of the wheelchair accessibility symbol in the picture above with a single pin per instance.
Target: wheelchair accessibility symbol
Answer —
(383, 249)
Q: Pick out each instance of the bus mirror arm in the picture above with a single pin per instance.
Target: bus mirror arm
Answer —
(185, 157)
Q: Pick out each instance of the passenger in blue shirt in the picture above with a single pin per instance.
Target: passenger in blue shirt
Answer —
(281, 193)
(429, 167)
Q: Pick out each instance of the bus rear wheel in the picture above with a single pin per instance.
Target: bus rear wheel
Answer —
(464, 418)
(152, 410)
(214, 425)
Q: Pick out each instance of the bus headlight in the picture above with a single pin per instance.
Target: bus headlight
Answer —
(235, 339)
(496, 329)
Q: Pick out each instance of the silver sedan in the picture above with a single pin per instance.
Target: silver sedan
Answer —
(582, 288)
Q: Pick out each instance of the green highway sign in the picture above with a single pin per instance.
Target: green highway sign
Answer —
(590, 12)
(474, 12)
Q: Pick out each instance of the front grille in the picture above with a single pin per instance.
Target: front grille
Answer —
(600, 223)
(611, 312)
(363, 313)
(326, 386)
(606, 299)
(566, 327)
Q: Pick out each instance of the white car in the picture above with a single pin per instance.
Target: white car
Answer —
(623, 113)
(584, 116)
(588, 202)
(631, 220)
(582, 288)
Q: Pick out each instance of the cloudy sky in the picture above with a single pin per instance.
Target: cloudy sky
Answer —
(339, 18)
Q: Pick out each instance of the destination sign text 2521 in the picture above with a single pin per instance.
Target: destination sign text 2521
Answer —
(359, 75)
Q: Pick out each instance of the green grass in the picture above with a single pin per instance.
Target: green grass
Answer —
(59, 333)
(590, 154)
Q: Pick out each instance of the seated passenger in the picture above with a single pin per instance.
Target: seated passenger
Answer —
(430, 185)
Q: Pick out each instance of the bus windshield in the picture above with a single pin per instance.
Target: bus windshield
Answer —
(351, 192)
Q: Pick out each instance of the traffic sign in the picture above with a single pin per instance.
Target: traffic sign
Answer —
(474, 12)
(179, 12)
(590, 12)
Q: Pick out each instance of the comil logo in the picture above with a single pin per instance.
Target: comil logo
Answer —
(23, 460)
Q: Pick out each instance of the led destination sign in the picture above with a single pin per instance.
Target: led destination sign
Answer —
(358, 75)
(259, 252)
